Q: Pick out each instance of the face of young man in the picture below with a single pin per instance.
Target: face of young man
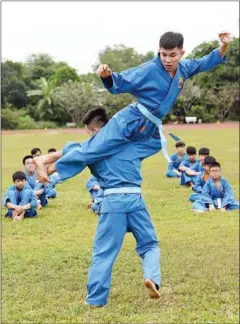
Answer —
(170, 58)
(29, 165)
(180, 150)
(206, 167)
(215, 173)
(91, 129)
(20, 183)
(201, 158)
(38, 153)
(192, 157)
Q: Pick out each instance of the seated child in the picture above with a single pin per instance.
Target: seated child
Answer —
(202, 178)
(217, 193)
(36, 151)
(52, 150)
(39, 189)
(202, 153)
(176, 158)
(188, 168)
(20, 199)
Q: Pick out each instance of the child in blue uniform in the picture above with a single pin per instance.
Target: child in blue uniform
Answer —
(202, 179)
(217, 193)
(20, 199)
(39, 189)
(188, 168)
(176, 160)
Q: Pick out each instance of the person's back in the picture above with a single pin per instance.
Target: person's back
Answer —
(123, 209)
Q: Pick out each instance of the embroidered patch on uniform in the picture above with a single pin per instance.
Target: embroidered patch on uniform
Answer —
(180, 83)
(142, 129)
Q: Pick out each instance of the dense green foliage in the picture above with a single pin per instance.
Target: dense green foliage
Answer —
(41, 87)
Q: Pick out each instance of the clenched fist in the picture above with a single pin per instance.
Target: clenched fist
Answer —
(225, 37)
(104, 71)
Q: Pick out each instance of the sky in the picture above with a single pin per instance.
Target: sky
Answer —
(75, 32)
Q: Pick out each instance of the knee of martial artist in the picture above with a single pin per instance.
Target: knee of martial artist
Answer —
(69, 146)
(149, 247)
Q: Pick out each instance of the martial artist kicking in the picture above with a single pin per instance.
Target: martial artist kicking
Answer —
(156, 86)
(217, 193)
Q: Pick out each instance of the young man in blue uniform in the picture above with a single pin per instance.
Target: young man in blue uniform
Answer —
(156, 86)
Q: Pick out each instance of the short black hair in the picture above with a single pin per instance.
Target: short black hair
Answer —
(180, 144)
(52, 150)
(170, 40)
(97, 115)
(209, 160)
(35, 150)
(19, 175)
(203, 151)
(215, 164)
(191, 150)
(27, 157)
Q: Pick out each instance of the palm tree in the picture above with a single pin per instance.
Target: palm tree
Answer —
(44, 91)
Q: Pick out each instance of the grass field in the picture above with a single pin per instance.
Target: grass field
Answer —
(45, 260)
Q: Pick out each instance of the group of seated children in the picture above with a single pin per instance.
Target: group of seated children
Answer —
(27, 194)
(203, 175)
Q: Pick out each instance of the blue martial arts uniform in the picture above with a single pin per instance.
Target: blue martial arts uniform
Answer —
(219, 197)
(198, 187)
(97, 195)
(21, 198)
(174, 165)
(123, 208)
(32, 181)
(185, 178)
(156, 92)
(90, 184)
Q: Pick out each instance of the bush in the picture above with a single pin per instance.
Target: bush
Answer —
(25, 122)
(9, 118)
(208, 118)
(46, 124)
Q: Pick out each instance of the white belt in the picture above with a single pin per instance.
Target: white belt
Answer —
(127, 190)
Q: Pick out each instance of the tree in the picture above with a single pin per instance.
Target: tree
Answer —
(13, 88)
(44, 92)
(222, 100)
(40, 65)
(189, 95)
(63, 74)
(76, 99)
(120, 58)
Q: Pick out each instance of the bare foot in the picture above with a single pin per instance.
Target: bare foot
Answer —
(152, 290)
(39, 162)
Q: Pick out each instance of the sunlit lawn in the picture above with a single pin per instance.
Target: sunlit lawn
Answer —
(45, 260)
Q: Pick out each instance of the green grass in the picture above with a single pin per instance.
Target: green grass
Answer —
(45, 260)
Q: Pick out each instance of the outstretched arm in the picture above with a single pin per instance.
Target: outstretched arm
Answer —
(115, 82)
(207, 62)
(225, 39)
